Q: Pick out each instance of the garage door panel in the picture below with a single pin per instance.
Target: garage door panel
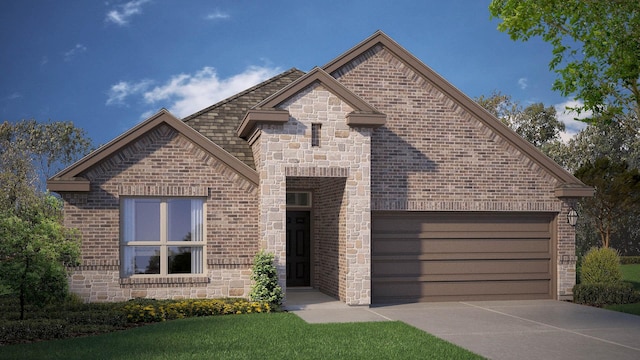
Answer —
(453, 222)
(477, 268)
(440, 245)
(460, 291)
(403, 234)
(421, 256)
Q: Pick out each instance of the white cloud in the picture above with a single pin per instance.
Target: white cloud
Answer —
(13, 96)
(568, 117)
(44, 61)
(523, 83)
(123, 13)
(122, 90)
(185, 94)
(78, 49)
(217, 15)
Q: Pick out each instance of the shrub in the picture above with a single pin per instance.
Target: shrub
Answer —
(605, 294)
(600, 265)
(31, 330)
(265, 277)
(626, 260)
(145, 311)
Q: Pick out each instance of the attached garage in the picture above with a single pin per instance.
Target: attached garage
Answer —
(442, 256)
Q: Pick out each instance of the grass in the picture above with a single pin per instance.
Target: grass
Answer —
(630, 273)
(255, 336)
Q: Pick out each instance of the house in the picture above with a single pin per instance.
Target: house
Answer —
(371, 179)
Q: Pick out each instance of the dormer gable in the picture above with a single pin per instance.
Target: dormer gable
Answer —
(268, 111)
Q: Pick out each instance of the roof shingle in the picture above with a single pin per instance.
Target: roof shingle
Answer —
(220, 121)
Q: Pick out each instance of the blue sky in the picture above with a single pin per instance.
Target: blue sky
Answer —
(107, 65)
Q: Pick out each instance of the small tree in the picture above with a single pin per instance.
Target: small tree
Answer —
(265, 278)
(35, 251)
(601, 266)
(617, 194)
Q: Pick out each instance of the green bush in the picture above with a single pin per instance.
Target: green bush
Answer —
(605, 294)
(145, 311)
(31, 330)
(265, 277)
(600, 265)
(626, 260)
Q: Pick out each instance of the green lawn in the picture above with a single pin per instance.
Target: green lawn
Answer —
(255, 336)
(630, 273)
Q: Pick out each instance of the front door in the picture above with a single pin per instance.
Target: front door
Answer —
(298, 248)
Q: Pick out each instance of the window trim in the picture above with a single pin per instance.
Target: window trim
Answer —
(164, 244)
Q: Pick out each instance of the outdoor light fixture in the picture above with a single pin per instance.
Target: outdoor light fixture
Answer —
(572, 217)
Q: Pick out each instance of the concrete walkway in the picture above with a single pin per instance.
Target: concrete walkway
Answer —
(535, 329)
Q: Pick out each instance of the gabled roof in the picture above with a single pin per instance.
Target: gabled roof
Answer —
(70, 178)
(267, 112)
(220, 121)
(570, 187)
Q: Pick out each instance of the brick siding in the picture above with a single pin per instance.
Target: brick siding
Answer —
(164, 163)
(432, 155)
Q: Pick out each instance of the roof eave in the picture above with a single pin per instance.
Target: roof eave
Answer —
(574, 191)
(263, 116)
(76, 184)
(63, 180)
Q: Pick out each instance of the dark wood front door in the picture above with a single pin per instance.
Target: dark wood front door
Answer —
(298, 248)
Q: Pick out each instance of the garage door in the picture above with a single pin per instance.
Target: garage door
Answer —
(460, 256)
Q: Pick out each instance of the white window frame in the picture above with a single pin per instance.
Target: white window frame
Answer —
(164, 244)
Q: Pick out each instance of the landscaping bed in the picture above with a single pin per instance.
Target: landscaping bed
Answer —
(74, 318)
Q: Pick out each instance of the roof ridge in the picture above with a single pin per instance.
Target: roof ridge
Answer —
(240, 94)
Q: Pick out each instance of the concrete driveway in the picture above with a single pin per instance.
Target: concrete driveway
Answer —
(537, 329)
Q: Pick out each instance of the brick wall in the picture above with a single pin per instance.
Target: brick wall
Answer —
(432, 155)
(164, 163)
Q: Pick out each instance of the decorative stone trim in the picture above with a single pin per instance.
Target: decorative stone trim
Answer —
(317, 172)
(405, 205)
(241, 263)
(107, 265)
(156, 282)
(143, 190)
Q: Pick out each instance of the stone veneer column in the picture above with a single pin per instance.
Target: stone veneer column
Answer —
(344, 150)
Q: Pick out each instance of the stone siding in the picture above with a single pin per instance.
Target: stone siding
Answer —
(344, 152)
(164, 163)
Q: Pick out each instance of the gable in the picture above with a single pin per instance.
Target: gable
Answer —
(410, 93)
(269, 111)
(70, 179)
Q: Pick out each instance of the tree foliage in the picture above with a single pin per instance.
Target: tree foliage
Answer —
(596, 47)
(617, 194)
(535, 123)
(34, 252)
(35, 247)
(33, 151)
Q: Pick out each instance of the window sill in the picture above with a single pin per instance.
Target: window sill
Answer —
(178, 281)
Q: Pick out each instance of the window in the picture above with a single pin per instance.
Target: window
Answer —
(315, 134)
(162, 236)
(299, 198)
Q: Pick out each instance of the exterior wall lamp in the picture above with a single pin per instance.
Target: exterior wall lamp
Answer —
(572, 217)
